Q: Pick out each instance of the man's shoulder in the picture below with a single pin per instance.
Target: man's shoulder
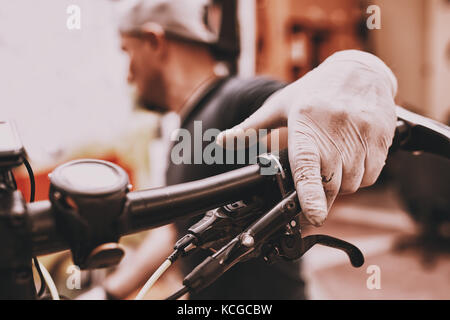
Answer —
(249, 85)
(232, 100)
(239, 97)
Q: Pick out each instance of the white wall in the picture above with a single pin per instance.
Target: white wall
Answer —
(414, 40)
(247, 28)
(63, 87)
(438, 59)
(400, 43)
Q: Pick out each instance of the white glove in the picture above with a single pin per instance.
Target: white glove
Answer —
(341, 121)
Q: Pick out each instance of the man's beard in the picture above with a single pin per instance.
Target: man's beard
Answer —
(141, 103)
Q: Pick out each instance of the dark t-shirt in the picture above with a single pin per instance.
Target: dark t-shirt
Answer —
(226, 104)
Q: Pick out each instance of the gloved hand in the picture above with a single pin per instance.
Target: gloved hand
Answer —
(341, 121)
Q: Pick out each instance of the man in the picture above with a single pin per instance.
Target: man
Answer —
(340, 121)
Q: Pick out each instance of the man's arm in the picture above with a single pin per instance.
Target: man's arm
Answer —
(341, 122)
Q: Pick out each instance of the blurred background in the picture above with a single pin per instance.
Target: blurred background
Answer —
(67, 92)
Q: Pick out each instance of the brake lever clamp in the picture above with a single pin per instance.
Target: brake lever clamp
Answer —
(286, 245)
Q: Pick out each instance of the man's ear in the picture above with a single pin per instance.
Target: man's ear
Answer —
(155, 35)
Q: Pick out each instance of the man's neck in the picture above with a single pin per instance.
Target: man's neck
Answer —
(193, 72)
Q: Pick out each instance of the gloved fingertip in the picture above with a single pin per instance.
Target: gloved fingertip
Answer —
(220, 138)
(229, 136)
(313, 201)
(316, 220)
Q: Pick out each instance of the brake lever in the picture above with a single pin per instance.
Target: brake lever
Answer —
(293, 247)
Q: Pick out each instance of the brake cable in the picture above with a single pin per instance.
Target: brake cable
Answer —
(156, 275)
(179, 250)
(50, 283)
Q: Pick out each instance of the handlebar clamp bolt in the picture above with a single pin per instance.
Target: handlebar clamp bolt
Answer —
(247, 240)
(289, 206)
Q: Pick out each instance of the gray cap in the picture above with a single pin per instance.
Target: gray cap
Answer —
(184, 18)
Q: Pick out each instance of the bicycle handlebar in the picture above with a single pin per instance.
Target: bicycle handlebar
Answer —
(147, 209)
(155, 207)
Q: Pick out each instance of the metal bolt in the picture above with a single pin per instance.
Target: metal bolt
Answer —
(289, 206)
(247, 240)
